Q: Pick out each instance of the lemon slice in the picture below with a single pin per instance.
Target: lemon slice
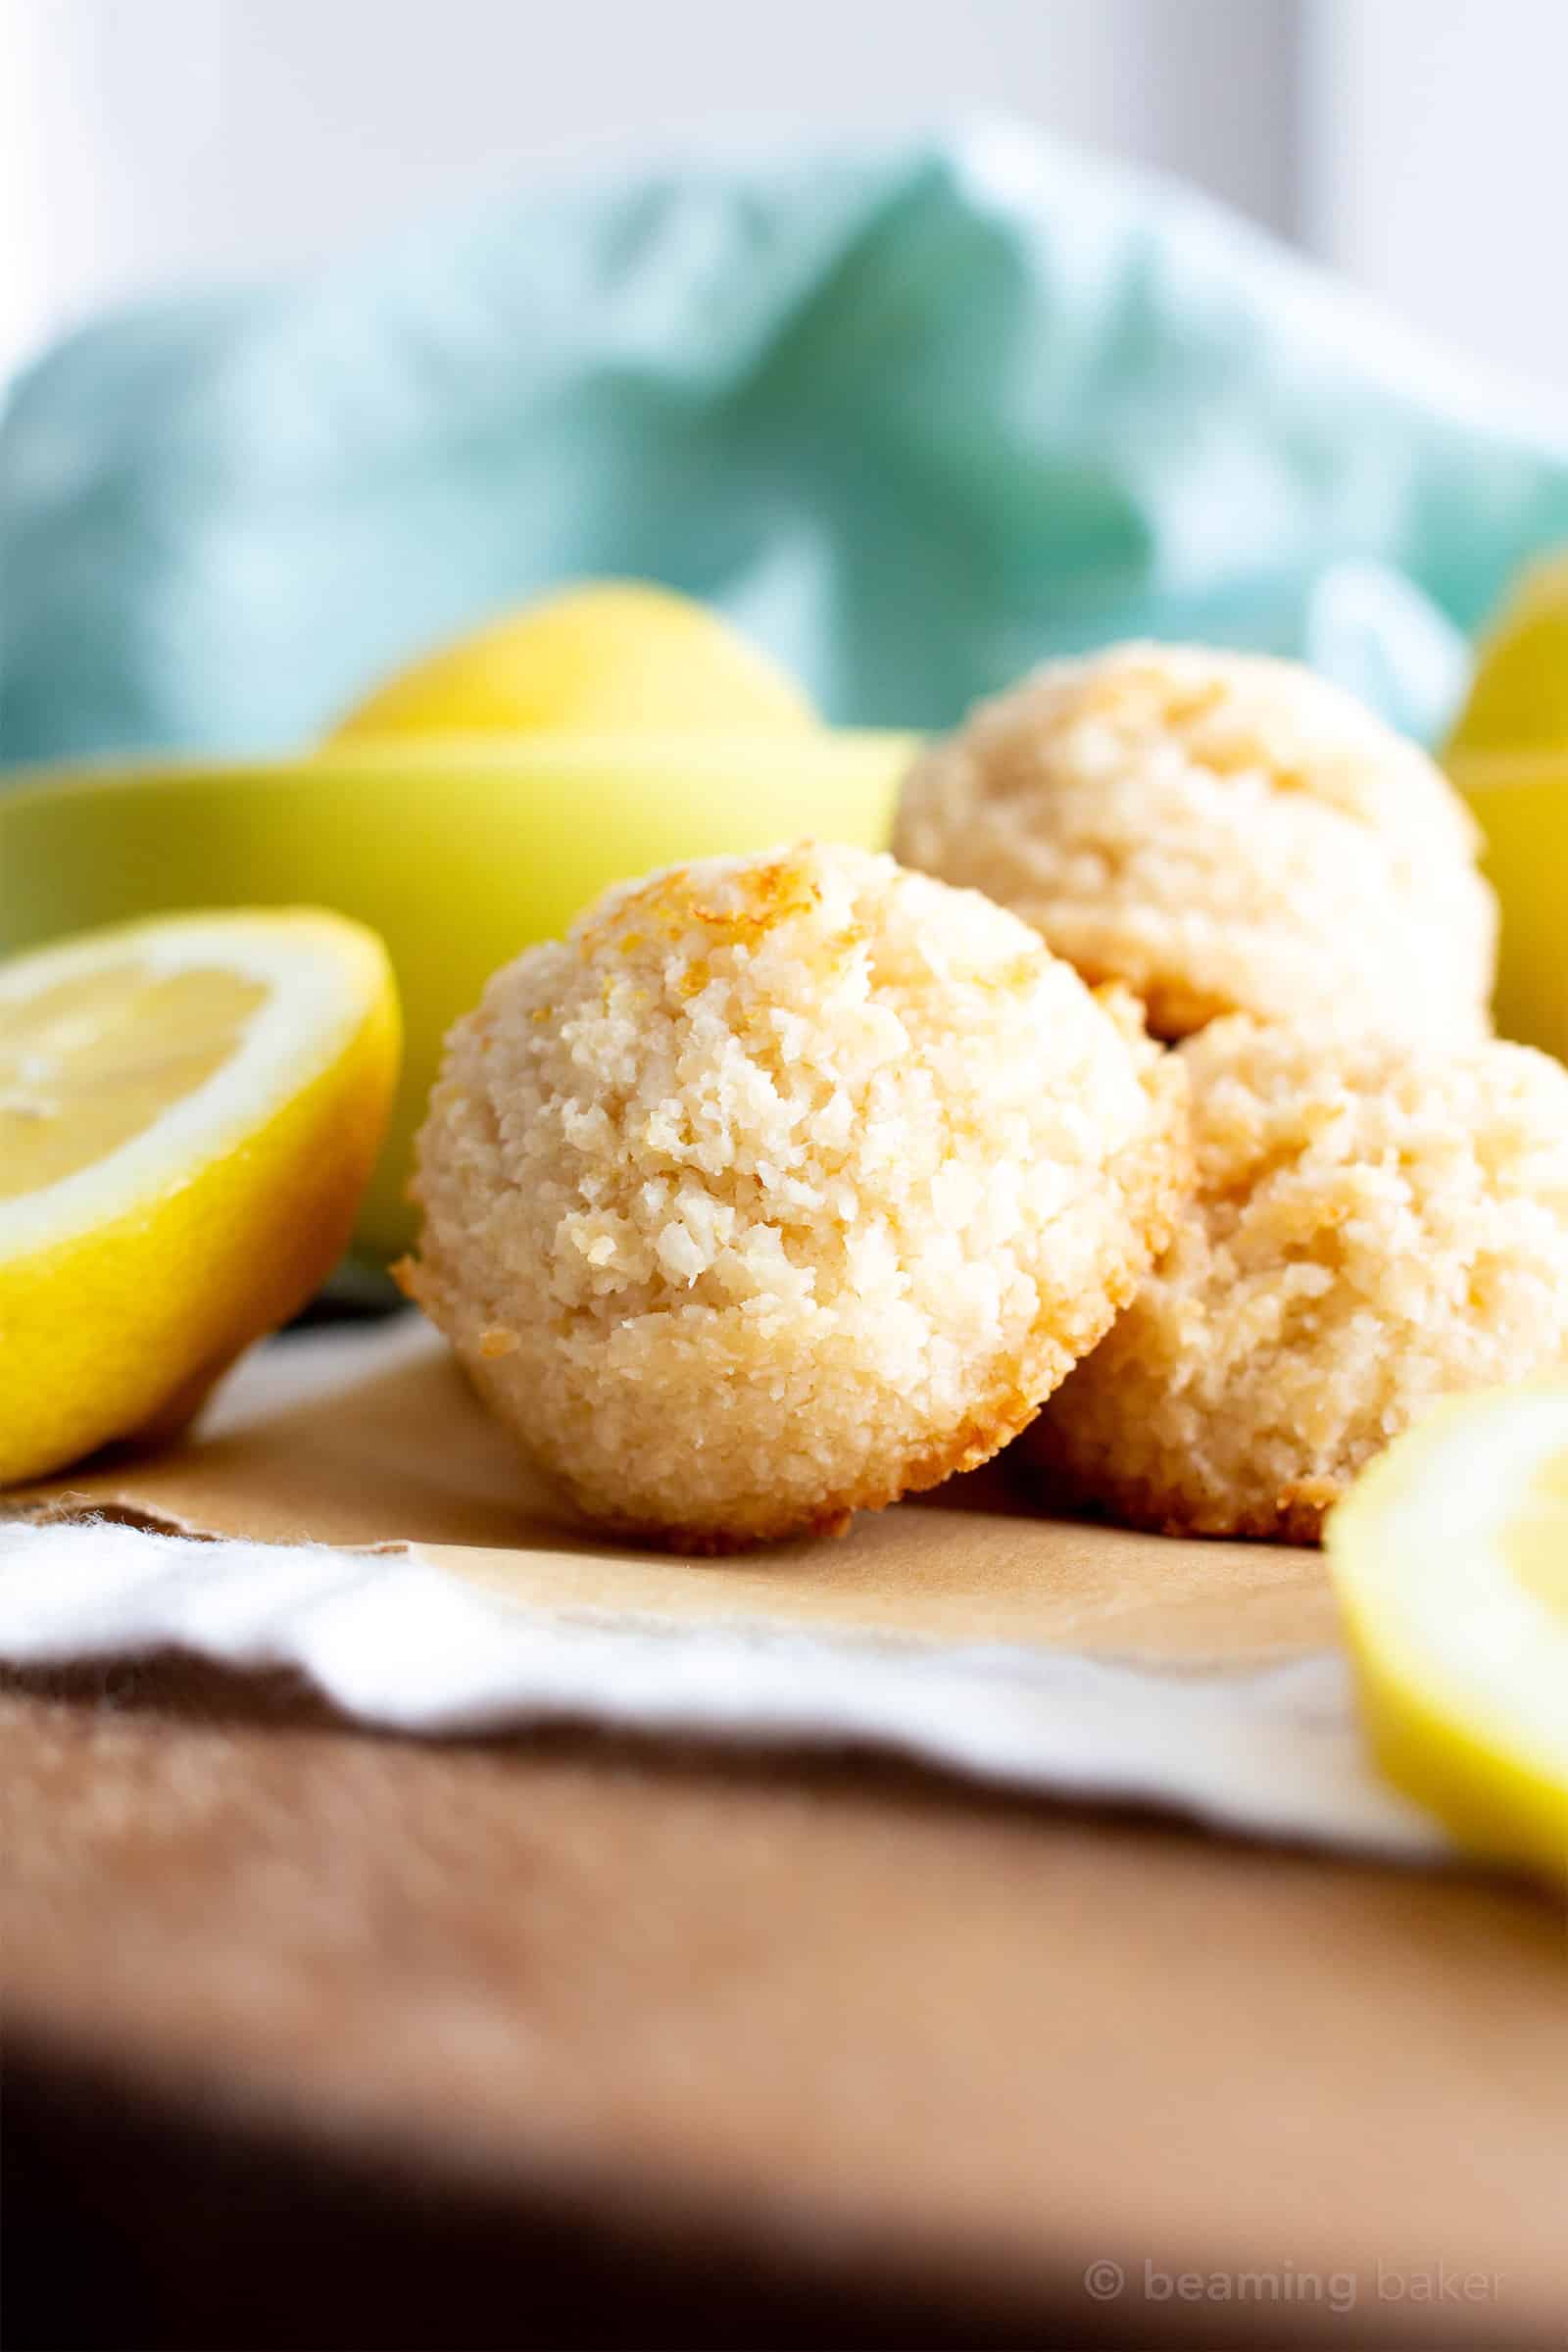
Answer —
(607, 656)
(189, 1111)
(1450, 1561)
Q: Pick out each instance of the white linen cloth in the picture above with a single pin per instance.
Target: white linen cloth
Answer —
(395, 1640)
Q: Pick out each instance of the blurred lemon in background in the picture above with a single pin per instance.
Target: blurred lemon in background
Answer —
(1449, 1557)
(1509, 756)
(608, 657)
(189, 1111)
(1519, 700)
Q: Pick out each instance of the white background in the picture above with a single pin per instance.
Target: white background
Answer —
(1419, 144)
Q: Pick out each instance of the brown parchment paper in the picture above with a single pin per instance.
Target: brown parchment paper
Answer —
(409, 1456)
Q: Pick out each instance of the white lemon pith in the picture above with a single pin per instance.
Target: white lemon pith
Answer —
(1451, 1561)
(189, 1110)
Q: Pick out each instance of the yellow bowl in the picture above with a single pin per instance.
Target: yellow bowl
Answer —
(459, 853)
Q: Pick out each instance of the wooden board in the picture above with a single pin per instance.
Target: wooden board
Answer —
(713, 2051)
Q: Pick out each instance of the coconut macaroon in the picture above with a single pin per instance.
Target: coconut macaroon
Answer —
(1223, 832)
(785, 1185)
(1375, 1226)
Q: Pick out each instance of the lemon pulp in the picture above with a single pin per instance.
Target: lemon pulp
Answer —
(189, 1111)
(91, 1063)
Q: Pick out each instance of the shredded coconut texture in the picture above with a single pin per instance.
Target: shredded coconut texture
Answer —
(1223, 832)
(785, 1185)
(1376, 1226)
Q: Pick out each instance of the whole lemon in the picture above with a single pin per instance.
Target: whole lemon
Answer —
(1509, 756)
(1519, 696)
(608, 657)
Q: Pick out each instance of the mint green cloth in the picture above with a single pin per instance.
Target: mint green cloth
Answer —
(917, 415)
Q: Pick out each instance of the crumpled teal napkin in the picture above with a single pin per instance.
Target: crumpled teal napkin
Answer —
(915, 415)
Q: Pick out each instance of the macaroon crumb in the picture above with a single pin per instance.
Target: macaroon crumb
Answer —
(1375, 1226)
(787, 1184)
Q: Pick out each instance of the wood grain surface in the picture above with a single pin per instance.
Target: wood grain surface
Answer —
(848, 2028)
(319, 2037)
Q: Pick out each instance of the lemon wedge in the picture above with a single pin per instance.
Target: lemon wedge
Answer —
(189, 1111)
(1450, 1561)
(612, 656)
